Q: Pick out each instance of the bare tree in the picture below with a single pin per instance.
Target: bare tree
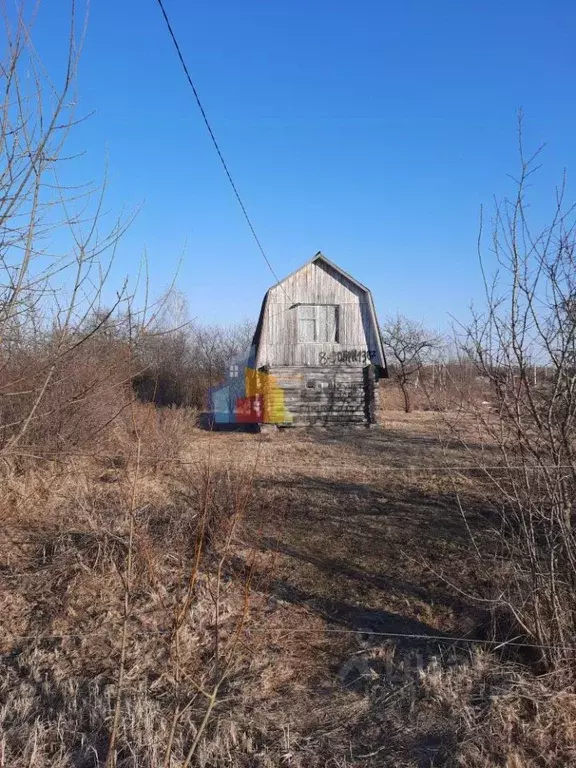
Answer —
(56, 246)
(529, 321)
(409, 346)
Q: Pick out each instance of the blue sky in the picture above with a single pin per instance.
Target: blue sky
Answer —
(372, 131)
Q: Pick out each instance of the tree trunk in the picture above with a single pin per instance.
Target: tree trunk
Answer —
(407, 403)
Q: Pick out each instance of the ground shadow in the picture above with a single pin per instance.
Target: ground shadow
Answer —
(441, 516)
(207, 422)
(398, 446)
(379, 581)
(377, 547)
(353, 617)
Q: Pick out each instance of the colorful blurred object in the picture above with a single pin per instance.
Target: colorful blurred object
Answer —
(249, 396)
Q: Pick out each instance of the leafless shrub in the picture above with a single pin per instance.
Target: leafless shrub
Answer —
(180, 359)
(165, 432)
(62, 378)
(86, 392)
(100, 596)
(528, 328)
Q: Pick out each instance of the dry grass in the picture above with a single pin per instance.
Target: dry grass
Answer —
(311, 541)
(501, 716)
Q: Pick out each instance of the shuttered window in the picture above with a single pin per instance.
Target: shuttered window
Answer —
(318, 323)
(307, 323)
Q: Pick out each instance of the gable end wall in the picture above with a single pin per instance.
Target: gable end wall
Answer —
(318, 283)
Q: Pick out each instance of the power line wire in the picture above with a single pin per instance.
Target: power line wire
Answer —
(215, 142)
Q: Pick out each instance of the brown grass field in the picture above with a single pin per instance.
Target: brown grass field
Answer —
(300, 598)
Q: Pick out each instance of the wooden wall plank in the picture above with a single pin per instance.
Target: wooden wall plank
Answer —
(317, 284)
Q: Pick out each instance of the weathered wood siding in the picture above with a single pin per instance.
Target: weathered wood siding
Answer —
(317, 283)
(324, 396)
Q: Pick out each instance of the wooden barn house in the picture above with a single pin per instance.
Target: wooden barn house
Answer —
(316, 356)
